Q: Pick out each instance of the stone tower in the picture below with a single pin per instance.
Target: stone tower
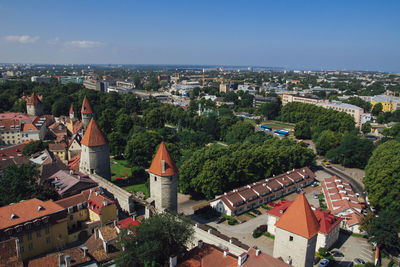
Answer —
(296, 234)
(34, 105)
(86, 112)
(95, 153)
(164, 181)
(71, 112)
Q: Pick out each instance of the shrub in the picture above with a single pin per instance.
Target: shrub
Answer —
(262, 228)
(257, 233)
(323, 252)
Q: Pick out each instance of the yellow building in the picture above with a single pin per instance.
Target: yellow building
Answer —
(86, 211)
(40, 226)
(10, 131)
(59, 149)
(389, 103)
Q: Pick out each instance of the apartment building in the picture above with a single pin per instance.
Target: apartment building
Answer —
(40, 226)
(253, 195)
(354, 111)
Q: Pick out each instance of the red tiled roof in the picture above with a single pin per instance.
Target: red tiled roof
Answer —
(71, 109)
(208, 256)
(73, 164)
(299, 218)
(50, 260)
(9, 255)
(161, 156)
(57, 147)
(12, 151)
(263, 260)
(6, 124)
(33, 100)
(16, 115)
(26, 211)
(93, 135)
(127, 223)
(86, 108)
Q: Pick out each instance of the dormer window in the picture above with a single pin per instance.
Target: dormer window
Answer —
(40, 208)
(13, 216)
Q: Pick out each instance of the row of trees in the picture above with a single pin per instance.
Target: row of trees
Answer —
(210, 171)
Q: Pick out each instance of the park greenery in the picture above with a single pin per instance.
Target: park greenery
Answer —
(154, 240)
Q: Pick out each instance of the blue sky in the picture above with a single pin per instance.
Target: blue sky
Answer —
(360, 35)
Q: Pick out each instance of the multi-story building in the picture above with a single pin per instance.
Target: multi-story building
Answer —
(10, 131)
(40, 226)
(354, 111)
(329, 224)
(288, 98)
(40, 79)
(253, 195)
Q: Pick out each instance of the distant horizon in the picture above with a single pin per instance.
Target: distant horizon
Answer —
(201, 66)
(300, 35)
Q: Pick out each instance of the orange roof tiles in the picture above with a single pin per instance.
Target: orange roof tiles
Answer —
(86, 108)
(208, 256)
(71, 109)
(9, 123)
(26, 211)
(163, 164)
(93, 135)
(33, 100)
(299, 218)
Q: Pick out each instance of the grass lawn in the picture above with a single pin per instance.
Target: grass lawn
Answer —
(278, 125)
(120, 169)
(138, 188)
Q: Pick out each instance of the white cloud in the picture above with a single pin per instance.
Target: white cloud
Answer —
(53, 41)
(83, 44)
(23, 39)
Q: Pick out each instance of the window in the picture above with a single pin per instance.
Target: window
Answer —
(290, 238)
(71, 217)
(48, 240)
(21, 248)
(47, 230)
(155, 179)
(30, 236)
(38, 233)
(30, 246)
(21, 239)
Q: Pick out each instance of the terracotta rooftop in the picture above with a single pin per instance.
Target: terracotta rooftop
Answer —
(93, 135)
(16, 115)
(96, 250)
(10, 124)
(33, 100)
(163, 164)
(127, 223)
(9, 255)
(299, 218)
(50, 260)
(208, 256)
(28, 210)
(108, 232)
(86, 107)
(262, 259)
(71, 109)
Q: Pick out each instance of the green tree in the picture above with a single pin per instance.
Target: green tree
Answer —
(117, 143)
(302, 130)
(20, 182)
(366, 128)
(353, 152)
(382, 176)
(269, 110)
(377, 109)
(384, 229)
(141, 147)
(238, 132)
(394, 131)
(154, 119)
(32, 148)
(154, 240)
(326, 141)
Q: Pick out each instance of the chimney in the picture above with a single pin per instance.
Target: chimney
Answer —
(60, 259)
(199, 243)
(115, 223)
(105, 203)
(173, 261)
(162, 166)
(67, 261)
(85, 250)
(226, 251)
(71, 172)
(134, 216)
(242, 258)
(258, 251)
(96, 233)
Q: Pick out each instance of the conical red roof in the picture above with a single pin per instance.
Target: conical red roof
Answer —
(93, 135)
(299, 218)
(71, 109)
(161, 158)
(33, 100)
(86, 108)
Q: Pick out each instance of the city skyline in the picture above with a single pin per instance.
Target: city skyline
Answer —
(361, 35)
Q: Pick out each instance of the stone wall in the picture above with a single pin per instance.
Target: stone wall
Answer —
(164, 191)
(96, 159)
(124, 198)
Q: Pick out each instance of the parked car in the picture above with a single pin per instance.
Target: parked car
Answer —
(220, 220)
(324, 263)
(359, 261)
(316, 259)
(337, 254)
(315, 195)
(257, 212)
